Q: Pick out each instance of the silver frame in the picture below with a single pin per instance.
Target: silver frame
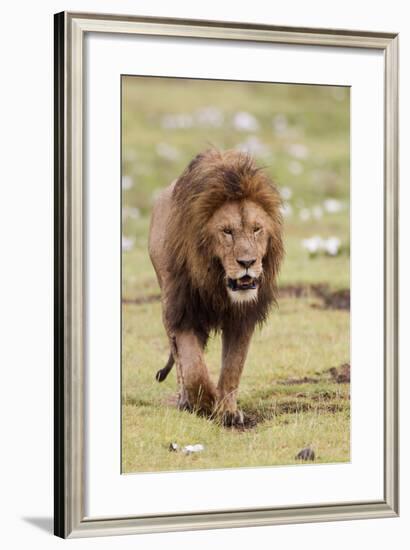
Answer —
(70, 29)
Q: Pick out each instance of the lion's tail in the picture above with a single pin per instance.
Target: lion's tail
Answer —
(163, 373)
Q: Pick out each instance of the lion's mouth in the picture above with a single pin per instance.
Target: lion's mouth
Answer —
(244, 283)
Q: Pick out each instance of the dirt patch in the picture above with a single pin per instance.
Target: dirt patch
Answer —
(341, 374)
(299, 381)
(294, 291)
(339, 299)
(325, 403)
(322, 395)
(142, 299)
(294, 406)
(321, 400)
(136, 402)
(298, 406)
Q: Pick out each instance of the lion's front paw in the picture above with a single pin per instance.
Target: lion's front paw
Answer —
(237, 419)
(201, 407)
(183, 404)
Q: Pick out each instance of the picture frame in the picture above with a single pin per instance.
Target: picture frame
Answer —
(70, 331)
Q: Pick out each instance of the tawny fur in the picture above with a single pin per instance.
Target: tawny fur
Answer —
(183, 245)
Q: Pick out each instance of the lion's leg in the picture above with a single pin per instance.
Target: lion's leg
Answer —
(197, 392)
(234, 351)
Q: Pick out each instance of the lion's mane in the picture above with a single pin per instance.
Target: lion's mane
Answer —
(197, 298)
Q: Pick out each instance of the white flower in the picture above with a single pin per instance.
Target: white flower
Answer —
(189, 449)
(167, 152)
(129, 212)
(332, 206)
(254, 146)
(210, 116)
(286, 193)
(129, 155)
(286, 210)
(280, 124)
(316, 244)
(313, 245)
(177, 121)
(317, 212)
(304, 214)
(245, 122)
(298, 150)
(332, 246)
(295, 167)
(127, 243)
(127, 182)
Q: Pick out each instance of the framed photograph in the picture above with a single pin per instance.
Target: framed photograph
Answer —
(226, 208)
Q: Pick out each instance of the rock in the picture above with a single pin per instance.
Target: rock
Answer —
(189, 449)
(306, 454)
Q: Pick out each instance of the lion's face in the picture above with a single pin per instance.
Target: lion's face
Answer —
(240, 232)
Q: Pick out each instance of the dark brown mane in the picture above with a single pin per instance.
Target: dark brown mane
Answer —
(197, 293)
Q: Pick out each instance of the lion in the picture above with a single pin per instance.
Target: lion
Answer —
(215, 242)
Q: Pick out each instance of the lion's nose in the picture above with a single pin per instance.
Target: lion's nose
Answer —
(246, 263)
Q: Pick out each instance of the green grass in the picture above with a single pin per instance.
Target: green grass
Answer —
(298, 340)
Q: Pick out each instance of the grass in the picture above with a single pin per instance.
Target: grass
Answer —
(298, 341)
(301, 339)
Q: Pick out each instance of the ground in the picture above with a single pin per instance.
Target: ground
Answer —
(288, 385)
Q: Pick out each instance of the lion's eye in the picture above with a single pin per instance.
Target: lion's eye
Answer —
(227, 231)
(257, 229)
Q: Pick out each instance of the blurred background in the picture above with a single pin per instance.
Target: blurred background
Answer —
(296, 380)
(299, 133)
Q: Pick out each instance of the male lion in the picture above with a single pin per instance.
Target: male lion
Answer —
(216, 245)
